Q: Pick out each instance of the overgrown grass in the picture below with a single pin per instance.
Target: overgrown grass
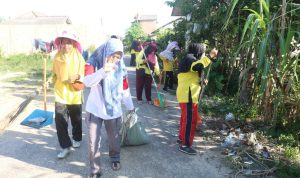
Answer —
(287, 170)
(31, 64)
(220, 106)
(288, 165)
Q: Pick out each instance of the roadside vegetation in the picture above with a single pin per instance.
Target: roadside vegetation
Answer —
(31, 65)
(257, 74)
(256, 77)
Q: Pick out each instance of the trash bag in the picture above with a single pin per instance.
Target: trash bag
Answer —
(132, 132)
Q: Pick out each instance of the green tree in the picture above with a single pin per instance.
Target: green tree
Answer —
(270, 41)
(134, 32)
(258, 48)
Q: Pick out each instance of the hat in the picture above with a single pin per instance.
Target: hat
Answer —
(173, 45)
(69, 35)
(167, 53)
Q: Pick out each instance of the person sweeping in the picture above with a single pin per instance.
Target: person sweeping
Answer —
(187, 93)
(146, 63)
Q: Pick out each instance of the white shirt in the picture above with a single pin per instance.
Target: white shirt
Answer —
(95, 101)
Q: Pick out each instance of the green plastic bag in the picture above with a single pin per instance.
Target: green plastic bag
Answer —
(132, 131)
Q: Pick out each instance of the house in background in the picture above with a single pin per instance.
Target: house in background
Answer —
(38, 18)
(178, 16)
(147, 22)
(19, 35)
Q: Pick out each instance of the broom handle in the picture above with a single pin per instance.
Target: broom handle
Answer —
(150, 70)
(45, 89)
(203, 87)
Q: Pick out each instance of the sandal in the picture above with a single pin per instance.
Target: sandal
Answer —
(115, 165)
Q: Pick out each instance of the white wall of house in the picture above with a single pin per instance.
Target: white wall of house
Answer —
(20, 38)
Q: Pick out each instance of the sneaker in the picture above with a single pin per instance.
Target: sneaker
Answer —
(187, 150)
(75, 144)
(97, 175)
(165, 89)
(150, 102)
(179, 142)
(63, 153)
(140, 102)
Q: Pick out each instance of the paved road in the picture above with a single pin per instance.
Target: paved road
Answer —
(31, 153)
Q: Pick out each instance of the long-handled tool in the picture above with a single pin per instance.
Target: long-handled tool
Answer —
(39, 118)
(203, 85)
(160, 96)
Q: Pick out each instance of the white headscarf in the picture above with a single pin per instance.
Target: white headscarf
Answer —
(167, 53)
(112, 83)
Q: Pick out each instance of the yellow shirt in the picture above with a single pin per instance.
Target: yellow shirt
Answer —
(64, 92)
(189, 81)
(134, 52)
(140, 64)
(167, 64)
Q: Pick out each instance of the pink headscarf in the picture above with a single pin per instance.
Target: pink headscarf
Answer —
(150, 52)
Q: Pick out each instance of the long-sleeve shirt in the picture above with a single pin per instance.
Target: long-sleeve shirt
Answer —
(95, 101)
(140, 64)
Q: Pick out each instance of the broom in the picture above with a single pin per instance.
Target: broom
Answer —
(160, 96)
(39, 117)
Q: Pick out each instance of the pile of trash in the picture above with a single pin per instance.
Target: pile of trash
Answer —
(246, 153)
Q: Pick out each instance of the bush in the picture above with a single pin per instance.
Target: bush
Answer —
(220, 106)
(291, 152)
(1, 54)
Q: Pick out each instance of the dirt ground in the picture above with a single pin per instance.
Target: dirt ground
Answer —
(28, 153)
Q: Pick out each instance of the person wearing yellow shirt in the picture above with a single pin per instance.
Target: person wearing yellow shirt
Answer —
(146, 64)
(168, 58)
(187, 93)
(68, 72)
(135, 49)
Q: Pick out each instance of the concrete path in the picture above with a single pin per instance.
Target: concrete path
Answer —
(31, 153)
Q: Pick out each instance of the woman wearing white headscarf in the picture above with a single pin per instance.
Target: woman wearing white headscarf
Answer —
(106, 75)
(168, 58)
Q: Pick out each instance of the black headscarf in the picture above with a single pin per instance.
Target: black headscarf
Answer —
(195, 51)
(136, 45)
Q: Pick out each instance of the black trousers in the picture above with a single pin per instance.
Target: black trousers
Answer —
(62, 114)
(132, 60)
(168, 80)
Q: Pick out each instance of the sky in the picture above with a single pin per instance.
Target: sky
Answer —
(116, 15)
